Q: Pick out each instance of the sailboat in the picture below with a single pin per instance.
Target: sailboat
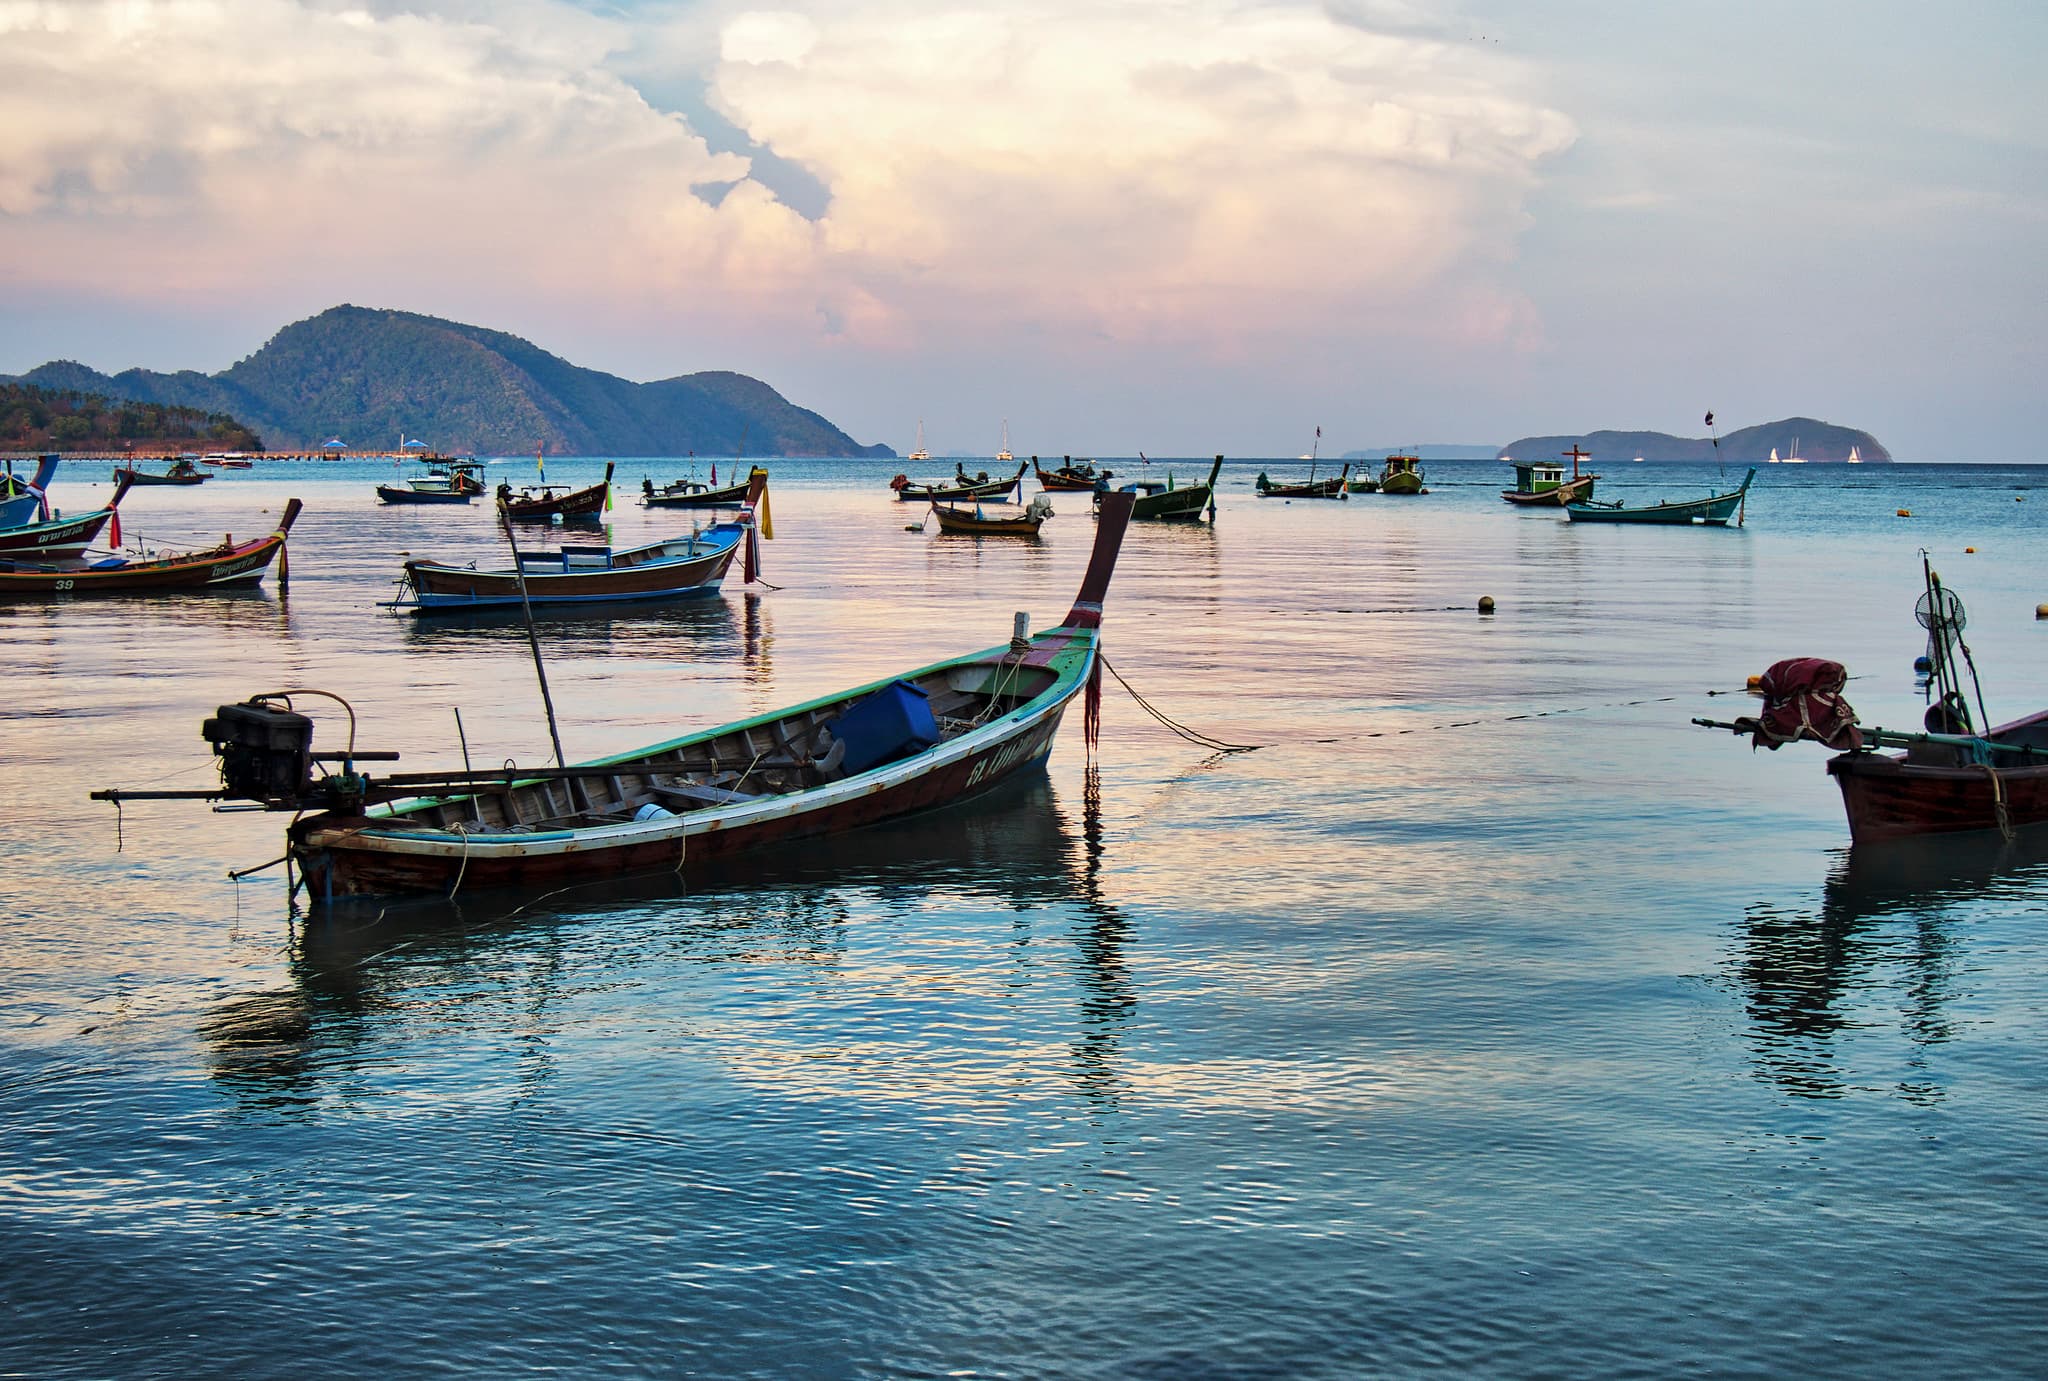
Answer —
(920, 453)
(1003, 457)
(1855, 456)
(1795, 458)
(1774, 456)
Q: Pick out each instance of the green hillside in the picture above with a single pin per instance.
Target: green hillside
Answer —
(370, 377)
(45, 418)
(1801, 436)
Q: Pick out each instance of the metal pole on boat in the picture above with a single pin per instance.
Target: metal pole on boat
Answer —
(533, 640)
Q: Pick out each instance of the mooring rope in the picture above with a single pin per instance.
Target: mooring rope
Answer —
(1195, 736)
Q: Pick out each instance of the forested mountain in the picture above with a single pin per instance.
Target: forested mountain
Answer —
(1803, 437)
(34, 418)
(371, 376)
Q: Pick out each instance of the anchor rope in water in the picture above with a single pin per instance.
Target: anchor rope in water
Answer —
(1195, 736)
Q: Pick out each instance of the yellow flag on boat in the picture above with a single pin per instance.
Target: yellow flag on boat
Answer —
(539, 459)
(767, 522)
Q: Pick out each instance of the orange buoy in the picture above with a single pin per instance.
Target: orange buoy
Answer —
(1905, 513)
(1756, 685)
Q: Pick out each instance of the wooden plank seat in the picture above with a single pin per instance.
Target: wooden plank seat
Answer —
(697, 796)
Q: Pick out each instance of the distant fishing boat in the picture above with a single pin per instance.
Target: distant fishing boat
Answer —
(1402, 474)
(912, 742)
(687, 493)
(227, 460)
(918, 454)
(1310, 488)
(685, 567)
(556, 501)
(993, 520)
(446, 481)
(1543, 483)
(1073, 475)
(181, 472)
(1159, 501)
(1712, 511)
(961, 486)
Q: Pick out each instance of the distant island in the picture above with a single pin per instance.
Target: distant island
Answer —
(370, 377)
(1795, 438)
(46, 419)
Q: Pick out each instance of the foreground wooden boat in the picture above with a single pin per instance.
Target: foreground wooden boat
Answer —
(1070, 475)
(1159, 501)
(993, 520)
(1310, 488)
(1541, 484)
(228, 565)
(549, 501)
(454, 481)
(914, 742)
(1948, 779)
(1713, 511)
(61, 539)
(688, 567)
(1402, 474)
(181, 472)
(961, 486)
(691, 494)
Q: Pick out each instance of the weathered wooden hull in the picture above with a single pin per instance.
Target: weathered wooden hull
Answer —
(1714, 511)
(1887, 797)
(575, 504)
(62, 539)
(1571, 491)
(731, 497)
(393, 494)
(442, 588)
(348, 857)
(242, 563)
(134, 476)
(1182, 505)
(970, 489)
(1066, 481)
(1406, 482)
(967, 524)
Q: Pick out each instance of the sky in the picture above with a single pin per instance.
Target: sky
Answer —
(1111, 225)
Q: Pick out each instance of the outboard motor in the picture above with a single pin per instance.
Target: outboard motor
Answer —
(265, 753)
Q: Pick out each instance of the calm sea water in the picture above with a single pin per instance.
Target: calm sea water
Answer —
(1488, 1017)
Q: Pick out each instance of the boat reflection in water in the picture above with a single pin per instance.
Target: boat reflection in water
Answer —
(362, 983)
(698, 628)
(1883, 950)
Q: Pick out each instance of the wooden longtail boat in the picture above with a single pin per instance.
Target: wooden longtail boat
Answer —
(1159, 501)
(227, 565)
(1070, 475)
(1402, 475)
(555, 501)
(914, 742)
(689, 567)
(1541, 484)
(994, 520)
(1310, 488)
(60, 538)
(26, 500)
(455, 481)
(691, 494)
(1712, 511)
(961, 486)
(181, 472)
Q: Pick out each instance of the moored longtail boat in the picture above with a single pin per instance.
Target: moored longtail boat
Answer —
(961, 486)
(1541, 484)
(993, 520)
(1713, 511)
(61, 538)
(555, 501)
(182, 471)
(26, 500)
(1069, 474)
(228, 565)
(914, 742)
(687, 567)
(1949, 778)
(693, 494)
(1160, 501)
(453, 481)
(1310, 488)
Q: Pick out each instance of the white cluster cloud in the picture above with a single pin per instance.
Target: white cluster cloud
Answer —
(1125, 171)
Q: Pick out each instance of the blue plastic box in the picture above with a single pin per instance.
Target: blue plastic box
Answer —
(893, 723)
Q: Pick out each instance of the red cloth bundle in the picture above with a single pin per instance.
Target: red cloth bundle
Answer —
(1803, 699)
